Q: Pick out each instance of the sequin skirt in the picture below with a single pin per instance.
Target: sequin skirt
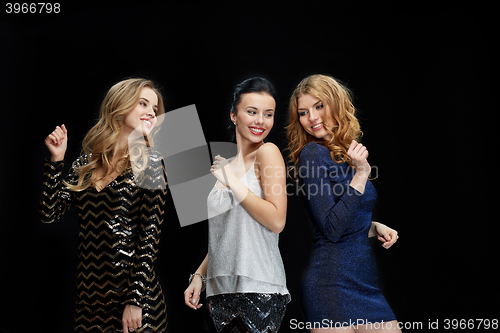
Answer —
(247, 312)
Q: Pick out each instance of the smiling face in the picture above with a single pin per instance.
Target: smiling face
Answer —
(254, 117)
(144, 114)
(314, 116)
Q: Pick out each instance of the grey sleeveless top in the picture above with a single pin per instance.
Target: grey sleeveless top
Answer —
(243, 255)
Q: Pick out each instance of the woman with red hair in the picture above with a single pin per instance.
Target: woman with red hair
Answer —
(340, 283)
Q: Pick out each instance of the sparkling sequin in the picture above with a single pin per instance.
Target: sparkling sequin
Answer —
(118, 242)
(247, 312)
(340, 282)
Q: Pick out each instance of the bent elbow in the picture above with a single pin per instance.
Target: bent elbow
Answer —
(279, 226)
(334, 230)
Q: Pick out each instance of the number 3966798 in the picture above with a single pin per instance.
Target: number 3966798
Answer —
(32, 8)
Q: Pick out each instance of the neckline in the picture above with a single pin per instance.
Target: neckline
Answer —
(104, 187)
(112, 181)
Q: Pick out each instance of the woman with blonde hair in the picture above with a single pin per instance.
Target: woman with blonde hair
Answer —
(340, 283)
(119, 191)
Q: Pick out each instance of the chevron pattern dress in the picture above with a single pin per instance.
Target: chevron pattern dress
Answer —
(117, 244)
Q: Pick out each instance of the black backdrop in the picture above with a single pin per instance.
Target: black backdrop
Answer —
(422, 77)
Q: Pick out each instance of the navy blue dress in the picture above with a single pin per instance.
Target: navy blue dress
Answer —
(340, 283)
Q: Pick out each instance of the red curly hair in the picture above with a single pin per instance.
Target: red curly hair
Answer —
(346, 128)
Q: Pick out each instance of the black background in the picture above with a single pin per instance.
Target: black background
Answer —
(423, 82)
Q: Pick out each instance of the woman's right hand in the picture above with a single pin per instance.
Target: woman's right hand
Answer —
(193, 292)
(57, 142)
(358, 154)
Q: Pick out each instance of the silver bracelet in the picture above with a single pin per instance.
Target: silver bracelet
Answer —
(203, 280)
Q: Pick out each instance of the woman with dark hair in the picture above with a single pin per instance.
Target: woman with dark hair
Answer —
(243, 271)
(118, 189)
(340, 282)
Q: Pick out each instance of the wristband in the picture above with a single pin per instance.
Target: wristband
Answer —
(203, 280)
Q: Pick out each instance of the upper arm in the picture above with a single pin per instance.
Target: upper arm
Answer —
(272, 174)
(315, 169)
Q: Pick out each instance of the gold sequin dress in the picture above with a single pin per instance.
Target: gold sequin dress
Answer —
(117, 244)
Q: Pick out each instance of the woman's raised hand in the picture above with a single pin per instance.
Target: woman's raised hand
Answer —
(358, 154)
(221, 169)
(57, 142)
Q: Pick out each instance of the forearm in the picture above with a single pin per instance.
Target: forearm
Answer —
(373, 230)
(57, 157)
(202, 269)
(265, 212)
(333, 210)
(53, 205)
(359, 180)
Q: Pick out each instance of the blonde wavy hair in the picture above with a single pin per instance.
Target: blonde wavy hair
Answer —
(346, 128)
(100, 141)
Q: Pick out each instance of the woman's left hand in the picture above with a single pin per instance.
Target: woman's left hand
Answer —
(132, 318)
(221, 170)
(385, 234)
